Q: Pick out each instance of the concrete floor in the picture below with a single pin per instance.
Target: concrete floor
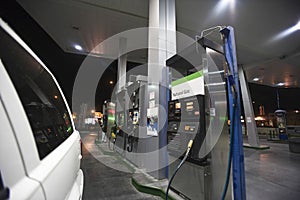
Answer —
(273, 173)
(103, 182)
(270, 174)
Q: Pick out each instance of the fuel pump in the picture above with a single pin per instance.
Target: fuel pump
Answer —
(198, 112)
(130, 111)
(108, 119)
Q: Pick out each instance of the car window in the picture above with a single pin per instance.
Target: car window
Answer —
(46, 111)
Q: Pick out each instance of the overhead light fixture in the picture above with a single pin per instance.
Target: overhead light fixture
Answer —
(297, 26)
(287, 32)
(280, 84)
(256, 79)
(78, 47)
(223, 6)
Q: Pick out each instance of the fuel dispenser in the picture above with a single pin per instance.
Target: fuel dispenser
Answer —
(108, 117)
(130, 107)
(134, 93)
(202, 98)
(121, 121)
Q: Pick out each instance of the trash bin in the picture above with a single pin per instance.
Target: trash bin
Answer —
(294, 145)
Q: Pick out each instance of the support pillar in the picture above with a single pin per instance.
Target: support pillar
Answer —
(161, 46)
(253, 139)
(122, 60)
(248, 109)
(122, 101)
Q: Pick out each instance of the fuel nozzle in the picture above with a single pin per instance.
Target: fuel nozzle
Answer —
(190, 144)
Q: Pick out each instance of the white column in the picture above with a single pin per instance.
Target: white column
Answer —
(162, 45)
(122, 60)
(248, 109)
(162, 36)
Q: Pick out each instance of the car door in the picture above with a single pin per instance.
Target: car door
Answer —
(14, 182)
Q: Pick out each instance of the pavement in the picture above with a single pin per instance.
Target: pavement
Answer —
(270, 173)
(109, 176)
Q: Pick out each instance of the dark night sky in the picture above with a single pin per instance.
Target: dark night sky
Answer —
(65, 65)
(289, 98)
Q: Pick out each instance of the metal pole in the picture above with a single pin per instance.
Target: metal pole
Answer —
(278, 103)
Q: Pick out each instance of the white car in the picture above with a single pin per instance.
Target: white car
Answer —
(40, 150)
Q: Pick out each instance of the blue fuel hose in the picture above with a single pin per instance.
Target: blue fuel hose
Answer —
(230, 151)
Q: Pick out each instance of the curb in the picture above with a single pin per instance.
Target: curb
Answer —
(150, 190)
(115, 155)
(141, 188)
(260, 147)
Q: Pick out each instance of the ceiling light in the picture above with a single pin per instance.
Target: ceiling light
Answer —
(78, 47)
(296, 111)
(297, 26)
(280, 84)
(256, 79)
(222, 6)
(286, 32)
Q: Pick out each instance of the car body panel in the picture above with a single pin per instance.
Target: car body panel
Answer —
(58, 174)
(31, 189)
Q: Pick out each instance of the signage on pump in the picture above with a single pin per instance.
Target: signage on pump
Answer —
(188, 86)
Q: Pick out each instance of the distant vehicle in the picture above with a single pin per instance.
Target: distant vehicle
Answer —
(40, 150)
